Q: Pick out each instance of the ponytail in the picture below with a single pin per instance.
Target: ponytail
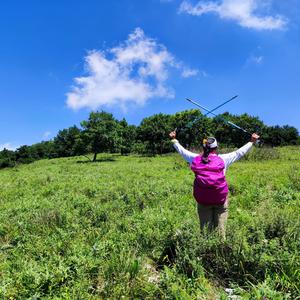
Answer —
(206, 152)
(209, 145)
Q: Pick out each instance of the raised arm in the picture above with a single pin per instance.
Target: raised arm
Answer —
(232, 157)
(187, 155)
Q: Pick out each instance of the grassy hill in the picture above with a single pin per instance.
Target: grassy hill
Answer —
(127, 226)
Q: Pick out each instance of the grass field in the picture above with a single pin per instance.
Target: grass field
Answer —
(126, 227)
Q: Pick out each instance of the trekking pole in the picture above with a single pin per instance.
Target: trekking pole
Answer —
(190, 123)
(221, 105)
(219, 117)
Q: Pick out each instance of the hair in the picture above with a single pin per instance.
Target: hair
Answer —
(207, 150)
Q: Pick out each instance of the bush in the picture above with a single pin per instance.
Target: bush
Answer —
(139, 148)
(261, 154)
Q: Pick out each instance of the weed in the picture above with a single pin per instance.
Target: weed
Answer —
(127, 227)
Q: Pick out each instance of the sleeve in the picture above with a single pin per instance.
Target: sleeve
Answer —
(232, 157)
(187, 155)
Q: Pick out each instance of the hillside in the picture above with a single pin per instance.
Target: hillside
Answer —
(127, 226)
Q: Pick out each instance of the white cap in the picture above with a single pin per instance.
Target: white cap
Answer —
(210, 142)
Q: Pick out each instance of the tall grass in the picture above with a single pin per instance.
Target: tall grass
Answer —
(127, 227)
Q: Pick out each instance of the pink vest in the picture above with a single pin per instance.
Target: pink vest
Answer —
(210, 186)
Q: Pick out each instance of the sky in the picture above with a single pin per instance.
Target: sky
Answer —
(62, 59)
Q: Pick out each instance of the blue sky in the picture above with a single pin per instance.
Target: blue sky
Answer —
(60, 59)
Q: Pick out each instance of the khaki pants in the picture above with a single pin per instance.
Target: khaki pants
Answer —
(213, 216)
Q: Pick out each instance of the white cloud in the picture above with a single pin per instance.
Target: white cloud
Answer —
(132, 72)
(46, 134)
(256, 59)
(189, 72)
(8, 146)
(247, 13)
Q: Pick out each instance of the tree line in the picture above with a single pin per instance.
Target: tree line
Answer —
(102, 132)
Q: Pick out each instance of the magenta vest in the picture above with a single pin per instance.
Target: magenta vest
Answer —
(210, 186)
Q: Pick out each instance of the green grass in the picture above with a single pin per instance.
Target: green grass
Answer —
(127, 227)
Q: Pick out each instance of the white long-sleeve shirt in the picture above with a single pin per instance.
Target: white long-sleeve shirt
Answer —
(228, 158)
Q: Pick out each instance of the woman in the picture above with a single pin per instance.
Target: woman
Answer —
(210, 186)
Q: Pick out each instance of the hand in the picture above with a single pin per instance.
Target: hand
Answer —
(254, 138)
(172, 135)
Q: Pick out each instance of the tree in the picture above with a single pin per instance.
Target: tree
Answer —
(154, 132)
(290, 135)
(43, 150)
(69, 142)
(7, 158)
(25, 154)
(230, 136)
(281, 136)
(192, 127)
(101, 132)
(128, 137)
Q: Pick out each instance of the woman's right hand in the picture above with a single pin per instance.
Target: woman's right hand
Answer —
(254, 138)
(172, 135)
